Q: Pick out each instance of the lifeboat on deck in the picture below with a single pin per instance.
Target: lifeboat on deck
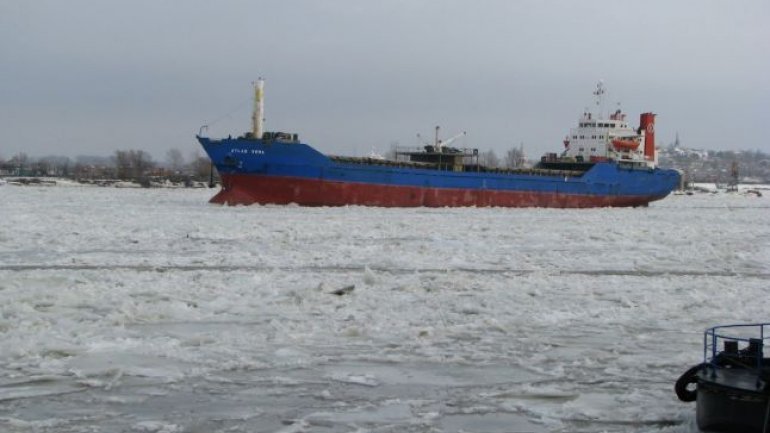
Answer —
(620, 144)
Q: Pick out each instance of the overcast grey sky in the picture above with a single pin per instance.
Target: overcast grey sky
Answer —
(89, 77)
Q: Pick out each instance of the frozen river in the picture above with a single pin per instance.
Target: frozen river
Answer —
(134, 310)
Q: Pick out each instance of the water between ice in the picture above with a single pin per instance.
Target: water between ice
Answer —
(152, 311)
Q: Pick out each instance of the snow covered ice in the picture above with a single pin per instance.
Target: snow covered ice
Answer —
(134, 310)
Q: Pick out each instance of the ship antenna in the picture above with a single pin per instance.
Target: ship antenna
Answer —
(422, 140)
(599, 93)
(258, 118)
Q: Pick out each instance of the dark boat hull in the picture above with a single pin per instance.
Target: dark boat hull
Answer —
(730, 409)
(732, 383)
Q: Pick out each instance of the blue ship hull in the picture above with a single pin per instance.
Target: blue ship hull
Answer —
(281, 172)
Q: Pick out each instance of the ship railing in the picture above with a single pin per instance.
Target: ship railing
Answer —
(379, 161)
(468, 168)
(737, 345)
(446, 150)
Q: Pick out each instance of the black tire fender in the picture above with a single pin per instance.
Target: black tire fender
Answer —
(689, 377)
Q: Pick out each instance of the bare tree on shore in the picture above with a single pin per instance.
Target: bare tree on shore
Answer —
(515, 157)
(175, 160)
(132, 164)
(489, 159)
(201, 167)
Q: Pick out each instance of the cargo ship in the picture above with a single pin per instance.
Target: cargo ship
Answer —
(605, 162)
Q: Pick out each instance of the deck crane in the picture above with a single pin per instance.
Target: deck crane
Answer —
(438, 144)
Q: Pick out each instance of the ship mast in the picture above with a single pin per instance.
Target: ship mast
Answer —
(258, 118)
(599, 93)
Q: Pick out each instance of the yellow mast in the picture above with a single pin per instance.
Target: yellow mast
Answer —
(258, 118)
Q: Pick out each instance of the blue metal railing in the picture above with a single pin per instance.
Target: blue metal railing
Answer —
(753, 334)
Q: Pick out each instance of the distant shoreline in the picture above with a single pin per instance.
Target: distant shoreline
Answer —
(115, 183)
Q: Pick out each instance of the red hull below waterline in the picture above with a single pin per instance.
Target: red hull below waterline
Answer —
(250, 189)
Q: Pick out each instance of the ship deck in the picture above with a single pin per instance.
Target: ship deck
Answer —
(468, 168)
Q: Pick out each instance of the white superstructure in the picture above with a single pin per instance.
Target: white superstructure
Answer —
(598, 139)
